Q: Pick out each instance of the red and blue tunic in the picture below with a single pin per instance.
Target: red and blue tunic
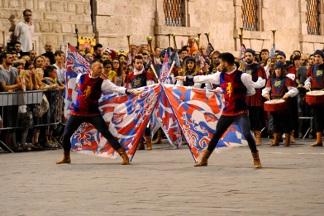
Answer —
(86, 103)
(139, 80)
(291, 69)
(256, 71)
(316, 72)
(279, 86)
(234, 93)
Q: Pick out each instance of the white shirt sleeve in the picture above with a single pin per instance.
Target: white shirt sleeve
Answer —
(249, 84)
(108, 86)
(308, 81)
(267, 70)
(291, 76)
(260, 83)
(150, 82)
(265, 91)
(17, 30)
(292, 91)
(213, 78)
(179, 83)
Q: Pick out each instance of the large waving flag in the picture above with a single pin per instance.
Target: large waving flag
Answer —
(76, 64)
(200, 59)
(165, 67)
(272, 52)
(197, 111)
(126, 117)
(209, 50)
(164, 117)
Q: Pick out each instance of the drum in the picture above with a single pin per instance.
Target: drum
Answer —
(315, 97)
(275, 105)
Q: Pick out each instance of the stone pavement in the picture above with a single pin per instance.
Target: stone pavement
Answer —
(164, 182)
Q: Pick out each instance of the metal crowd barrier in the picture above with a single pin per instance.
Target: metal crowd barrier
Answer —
(27, 98)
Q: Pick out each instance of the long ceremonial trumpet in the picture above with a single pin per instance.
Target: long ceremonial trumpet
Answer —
(169, 39)
(174, 40)
(197, 42)
(241, 35)
(207, 35)
(128, 38)
(149, 41)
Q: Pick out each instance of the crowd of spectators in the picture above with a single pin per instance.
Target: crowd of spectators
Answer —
(23, 69)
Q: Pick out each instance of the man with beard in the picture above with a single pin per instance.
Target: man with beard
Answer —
(315, 81)
(137, 79)
(48, 52)
(292, 74)
(255, 102)
(98, 49)
(235, 85)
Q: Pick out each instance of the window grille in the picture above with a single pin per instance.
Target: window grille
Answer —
(250, 14)
(312, 17)
(173, 11)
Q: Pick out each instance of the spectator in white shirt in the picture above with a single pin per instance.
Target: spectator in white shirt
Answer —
(24, 31)
(59, 64)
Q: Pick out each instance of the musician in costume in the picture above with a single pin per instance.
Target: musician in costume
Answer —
(191, 69)
(235, 85)
(315, 81)
(292, 74)
(255, 102)
(280, 86)
(86, 109)
(139, 78)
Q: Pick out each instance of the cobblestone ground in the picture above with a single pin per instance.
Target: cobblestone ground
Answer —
(164, 182)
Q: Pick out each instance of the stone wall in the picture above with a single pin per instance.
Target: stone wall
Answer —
(54, 20)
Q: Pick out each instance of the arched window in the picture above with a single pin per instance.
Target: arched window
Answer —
(312, 16)
(173, 11)
(250, 15)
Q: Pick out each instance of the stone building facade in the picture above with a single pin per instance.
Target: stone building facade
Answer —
(56, 21)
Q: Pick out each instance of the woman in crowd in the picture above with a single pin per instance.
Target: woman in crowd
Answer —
(108, 73)
(119, 70)
(191, 69)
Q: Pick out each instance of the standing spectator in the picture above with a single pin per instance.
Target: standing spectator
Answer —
(39, 62)
(32, 55)
(203, 50)
(157, 51)
(26, 58)
(9, 81)
(48, 52)
(311, 60)
(108, 72)
(89, 56)
(24, 31)
(264, 56)
(59, 64)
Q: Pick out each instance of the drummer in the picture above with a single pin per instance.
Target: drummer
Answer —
(281, 87)
(315, 81)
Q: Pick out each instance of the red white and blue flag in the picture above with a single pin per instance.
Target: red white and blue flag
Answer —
(126, 117)
(165, 68)
(76, 64)
(197, 112)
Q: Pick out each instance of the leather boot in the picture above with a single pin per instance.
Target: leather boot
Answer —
(258, 137)
(141, 145)
(318, 139)
(292, 136)
(184, 142)
(149, 142)
(275, 140)
(257, 162)
(159, 138)
(204, 159)
(66, 158)
(123, 154)
(280, 137)
(287, 141)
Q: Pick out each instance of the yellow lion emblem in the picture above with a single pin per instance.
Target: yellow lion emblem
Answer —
(229, 89)
(277, 83)
(87, 92)
(319, 73)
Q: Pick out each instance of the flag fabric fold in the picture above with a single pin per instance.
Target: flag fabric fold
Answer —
(197, 112)
(272, 52)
